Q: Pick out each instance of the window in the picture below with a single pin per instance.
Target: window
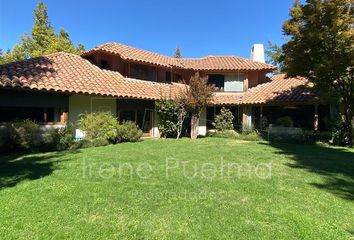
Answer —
(217, 80)
(10, 114)
(144, 72)
(168, 76)
(127, 116)
(104, 109)
(234, 83)
(177, 77)
(105, 64)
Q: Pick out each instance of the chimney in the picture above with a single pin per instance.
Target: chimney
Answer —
(257, 53)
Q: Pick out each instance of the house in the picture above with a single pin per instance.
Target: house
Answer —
(126, 81)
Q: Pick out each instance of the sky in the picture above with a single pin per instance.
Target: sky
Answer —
(199, 28)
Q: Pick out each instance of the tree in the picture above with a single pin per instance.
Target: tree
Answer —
(196, 96)
(181, 116)
(321, 48)
(167, 112)
(172, 113)
(177, 53)
(42, 40)
(224, 120)
(274, 53)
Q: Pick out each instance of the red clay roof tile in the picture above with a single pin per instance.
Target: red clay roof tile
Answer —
(205, 63)
(71, 73)
(279, 89)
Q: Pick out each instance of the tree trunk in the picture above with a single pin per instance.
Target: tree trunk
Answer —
(194, 126)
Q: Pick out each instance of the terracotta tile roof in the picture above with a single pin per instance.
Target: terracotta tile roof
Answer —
(135, 54)
(279, 89)
(224, 63)
(64, 72)
(205, 63)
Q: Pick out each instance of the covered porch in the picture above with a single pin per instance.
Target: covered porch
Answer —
(309, 116)
(140, 111)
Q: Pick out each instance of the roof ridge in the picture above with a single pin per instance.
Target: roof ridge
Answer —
(35, 58)
(129, 52)
(140, 49)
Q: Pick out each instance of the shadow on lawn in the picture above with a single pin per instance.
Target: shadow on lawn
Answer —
(15, 169)
(336, 165)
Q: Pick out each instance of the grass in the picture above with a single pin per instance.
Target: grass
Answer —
(125, 192)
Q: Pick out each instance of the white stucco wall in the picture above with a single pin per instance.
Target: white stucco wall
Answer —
(155, 129)
(202, 129)
(80, 104)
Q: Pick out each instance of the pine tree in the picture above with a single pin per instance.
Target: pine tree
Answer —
(274, 53)
(177, 53)
(43, 40)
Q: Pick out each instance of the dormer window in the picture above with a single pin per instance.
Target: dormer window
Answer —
(105, 65)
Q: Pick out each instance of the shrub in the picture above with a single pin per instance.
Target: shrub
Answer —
(99, 125)
(286, 134)
(7, 140)
(99, 142)
(250, 136)
(285, 122)
(324, 136)
(312, 137)
(246, 136)
(339, 135)
(27, 135)
(59, 138)
(66, 136)
(224, 134)
(84, 143)
(128, 132)
(224, 120)
(51, 139)
(167, 110)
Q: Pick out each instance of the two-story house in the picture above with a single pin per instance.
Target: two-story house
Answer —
(126, 81)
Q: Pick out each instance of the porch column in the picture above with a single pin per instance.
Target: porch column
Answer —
(202, 129)
(64, 117)
(155, 122)
(315, 122)
(45, 116)
(246, 118)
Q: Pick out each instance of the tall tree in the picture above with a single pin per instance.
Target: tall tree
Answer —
(196, 96)
(177, 53)
(274, 53)
(321, 48)
(42, 40)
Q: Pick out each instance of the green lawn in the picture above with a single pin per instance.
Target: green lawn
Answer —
(148, 190)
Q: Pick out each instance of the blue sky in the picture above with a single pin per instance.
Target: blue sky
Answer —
(199, 28)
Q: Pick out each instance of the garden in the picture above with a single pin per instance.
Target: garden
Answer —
(180, 189)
